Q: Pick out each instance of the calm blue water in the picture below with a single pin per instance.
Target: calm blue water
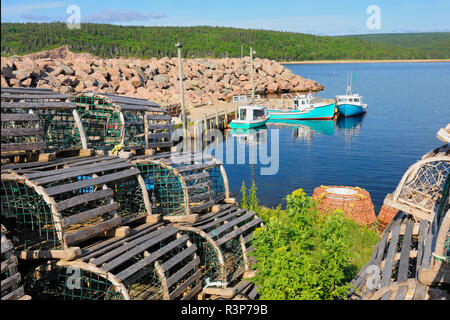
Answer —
(407, 104)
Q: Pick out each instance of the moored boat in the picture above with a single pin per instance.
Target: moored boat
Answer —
(249, 117)
(350, 105)
(305, 107)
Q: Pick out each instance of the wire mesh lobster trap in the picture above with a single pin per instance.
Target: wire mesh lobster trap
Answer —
(180, 186)
(111, 120)
(421, 186)
(152, 263)
(38, 120)
(223, 239)
(55, 205)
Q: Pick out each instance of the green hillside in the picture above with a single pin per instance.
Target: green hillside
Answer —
(202, 41)
(438, 42)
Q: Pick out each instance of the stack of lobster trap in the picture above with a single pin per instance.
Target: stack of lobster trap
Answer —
(96, 206)
(412, 260)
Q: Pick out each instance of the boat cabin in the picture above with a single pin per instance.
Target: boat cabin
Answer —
(302, 101)
(351, 99)
(252, 113)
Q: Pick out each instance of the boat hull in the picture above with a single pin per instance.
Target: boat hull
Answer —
(350, 110)
(242, 125)
(325, 112)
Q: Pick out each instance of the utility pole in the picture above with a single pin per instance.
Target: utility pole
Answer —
(252, 79)
(183, 110)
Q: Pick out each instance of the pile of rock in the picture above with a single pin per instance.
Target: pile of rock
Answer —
(205, 80)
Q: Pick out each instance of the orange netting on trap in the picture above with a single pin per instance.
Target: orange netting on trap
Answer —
(385, 216)
(355, 202)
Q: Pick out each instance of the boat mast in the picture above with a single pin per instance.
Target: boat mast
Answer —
(252, 79)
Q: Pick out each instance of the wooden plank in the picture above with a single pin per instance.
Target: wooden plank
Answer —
(228, 225)
(12, 132)
(89, 232)
(401, 292)
(23, 146)
(404, 255)
(136, 250)
(426, 256)
(136, 107)
(160, 126)
(89, 214)
(180, 289)
(196, 167)
(83, 172)
(387, 271)
(238, 231)
(52, 191)
(382, 247)
(197, 176)
(19, 117)
(159, 136)
(26, 90)
(34, 96)
(15, 295)
(193, 292)
(201, 196)
(420, 292)
(202, 206)
(423, 229)
(226, 293)
(182, 272)
(10, 282)
(199, 186)
(253, 293)
(179, 257)
(386, 295)
(39, 105)
(147, 260)
(159, 117)
(160, 144)
(9, 263)
(112, 251)
(84, 198)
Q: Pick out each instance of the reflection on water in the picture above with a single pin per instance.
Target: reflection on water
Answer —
(248, 136)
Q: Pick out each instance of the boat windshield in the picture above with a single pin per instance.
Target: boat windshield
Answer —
(243, 114)
(258, 114)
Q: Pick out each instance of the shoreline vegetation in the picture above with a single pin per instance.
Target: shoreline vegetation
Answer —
(324, 250)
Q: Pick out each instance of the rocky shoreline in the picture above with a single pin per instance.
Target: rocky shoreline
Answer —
(206, 81)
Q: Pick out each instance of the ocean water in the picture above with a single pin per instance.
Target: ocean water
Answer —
(407, 104)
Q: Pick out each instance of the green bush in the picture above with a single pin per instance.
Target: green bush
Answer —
(304, 254)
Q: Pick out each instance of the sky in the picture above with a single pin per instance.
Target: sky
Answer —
(322, 17)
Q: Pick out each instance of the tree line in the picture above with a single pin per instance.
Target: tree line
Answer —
(110, 41)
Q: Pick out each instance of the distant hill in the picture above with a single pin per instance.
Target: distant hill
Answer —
(432, 42)
(137, 41)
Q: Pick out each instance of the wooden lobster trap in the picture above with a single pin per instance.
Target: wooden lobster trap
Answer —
(11, 288)
(153, 262)
(36, 121)
(412, 259)
(422, 184)
(223, 238)
(181, 188)
(112, 120)
(53, 206)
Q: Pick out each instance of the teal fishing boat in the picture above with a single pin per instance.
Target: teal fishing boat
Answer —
(305, 107)
(249, 117)
(350, 105)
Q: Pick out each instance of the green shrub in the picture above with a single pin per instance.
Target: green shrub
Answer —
(304, 254)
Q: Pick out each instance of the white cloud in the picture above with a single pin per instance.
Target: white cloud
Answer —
(21, 9)
(110, 16)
